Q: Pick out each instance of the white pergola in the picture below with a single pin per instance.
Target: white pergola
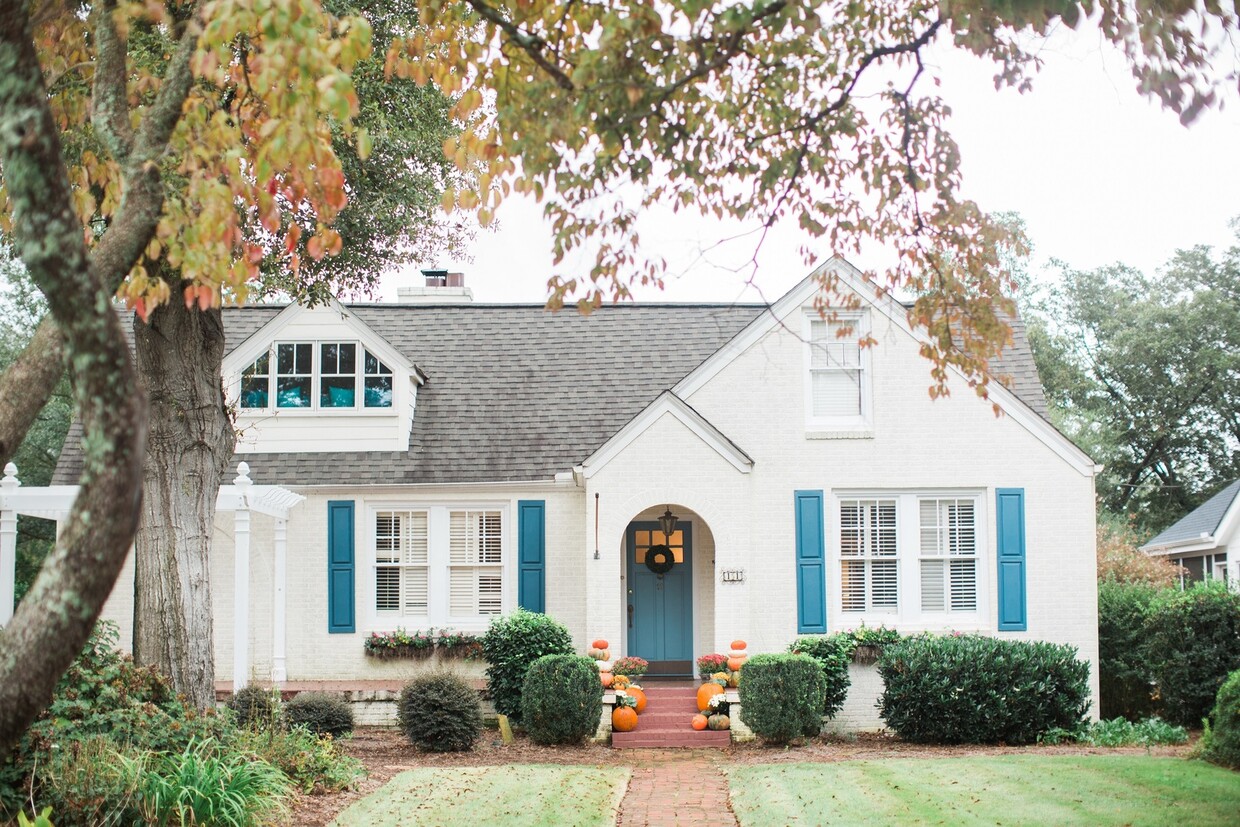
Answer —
(242, 498)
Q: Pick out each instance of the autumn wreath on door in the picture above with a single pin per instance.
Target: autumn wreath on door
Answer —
(659, 559)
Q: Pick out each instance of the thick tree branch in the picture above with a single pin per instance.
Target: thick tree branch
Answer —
(532, 45)
(26, 386)
(54, 621)
(39, 366)
(109, 95)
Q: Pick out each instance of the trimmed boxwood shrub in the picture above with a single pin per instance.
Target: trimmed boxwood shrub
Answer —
(782, 696)
(1125, 670)
(510, 645)
(440, 712)
(562, 700)
(320, 712)
(255, 707)
(1221, 743)
(972, 689)
(833, 653)
(1194, 642)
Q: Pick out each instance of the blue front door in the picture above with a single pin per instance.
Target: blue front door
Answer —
(660, 606)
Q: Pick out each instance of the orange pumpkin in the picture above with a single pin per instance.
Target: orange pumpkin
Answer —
(640, 696)
(738, 644)
(705, 692)
(599, 644)
(623, 719)
(621, 682)
(606, 678)
(699, 722)
(735, 664)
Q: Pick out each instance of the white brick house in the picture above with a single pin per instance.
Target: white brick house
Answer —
(458, 460)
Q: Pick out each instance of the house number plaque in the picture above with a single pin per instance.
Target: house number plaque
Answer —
(732, 575)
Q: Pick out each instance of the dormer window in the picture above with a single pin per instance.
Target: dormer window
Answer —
(330, 368)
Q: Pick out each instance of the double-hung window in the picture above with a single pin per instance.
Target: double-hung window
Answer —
(402, 559)
(837, 385)
(908, 558)
(475, 572)
(324, 376)
(948, 555)
(869, 575)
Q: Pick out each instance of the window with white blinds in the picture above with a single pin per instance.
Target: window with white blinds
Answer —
(475, 575)
(948, 555)
(402, 561)
(835, 368)
(869, 573)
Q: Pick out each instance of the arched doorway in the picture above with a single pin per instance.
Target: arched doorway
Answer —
(659, 591)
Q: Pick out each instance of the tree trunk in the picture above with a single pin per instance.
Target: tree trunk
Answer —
(190, 442)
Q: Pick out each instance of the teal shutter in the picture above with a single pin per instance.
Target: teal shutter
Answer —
(811, 565)
(1010, 508)
(532, 555)
(340, 567)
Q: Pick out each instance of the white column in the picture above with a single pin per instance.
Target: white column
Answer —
(279, 674)
(8, 546)
(241, 581)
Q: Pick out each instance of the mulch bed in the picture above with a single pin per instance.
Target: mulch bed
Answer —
(385, 752)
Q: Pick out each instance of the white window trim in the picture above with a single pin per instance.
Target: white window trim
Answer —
(908, 616)
(829, 427)
(316, 377)
(438, 565)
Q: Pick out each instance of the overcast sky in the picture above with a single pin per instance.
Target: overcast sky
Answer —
(1099, 174)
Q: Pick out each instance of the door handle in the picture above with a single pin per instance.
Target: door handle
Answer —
(630, 615)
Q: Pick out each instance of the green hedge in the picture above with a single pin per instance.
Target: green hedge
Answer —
(782, 696)
(1194, 644)
(1221, 743)
(511, 644)
(1125, 669)
(320, 712)
(976, 689)
(562, 701)
(833, 654)
(440, 712)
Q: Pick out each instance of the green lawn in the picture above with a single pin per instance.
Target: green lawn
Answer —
(518, 795)
(1008, 790)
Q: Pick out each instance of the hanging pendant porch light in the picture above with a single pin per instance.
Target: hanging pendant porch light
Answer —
(668, 523)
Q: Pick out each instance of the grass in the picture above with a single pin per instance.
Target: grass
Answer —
(1009, 790)
(520, 795)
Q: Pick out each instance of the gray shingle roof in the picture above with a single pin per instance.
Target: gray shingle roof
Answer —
(1204, 519)
(515, 392)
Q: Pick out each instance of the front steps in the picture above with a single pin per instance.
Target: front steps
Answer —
(670, 708)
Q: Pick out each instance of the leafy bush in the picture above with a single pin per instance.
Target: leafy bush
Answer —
(1194, 641)
(975, 689)
(1121, 560)
(106, 709)
(510, 645)
(207, 784)
(562, 700)
(1221, 743)
(833, 653)
(312, 762)
(782, 696)
(440, 712)
(255, 706)
(1119, 732)
(320, 712)
(1125, 671)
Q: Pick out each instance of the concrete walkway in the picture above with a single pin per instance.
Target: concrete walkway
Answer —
(675, 788)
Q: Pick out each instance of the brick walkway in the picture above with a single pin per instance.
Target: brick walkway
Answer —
(675, 788)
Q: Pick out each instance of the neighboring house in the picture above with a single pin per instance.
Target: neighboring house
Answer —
(1199, 541)
(458, 460)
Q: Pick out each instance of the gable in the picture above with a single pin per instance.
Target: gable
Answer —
(1209, 525)
(791, 312)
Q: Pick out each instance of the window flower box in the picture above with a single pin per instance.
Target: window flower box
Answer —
(419, 644)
